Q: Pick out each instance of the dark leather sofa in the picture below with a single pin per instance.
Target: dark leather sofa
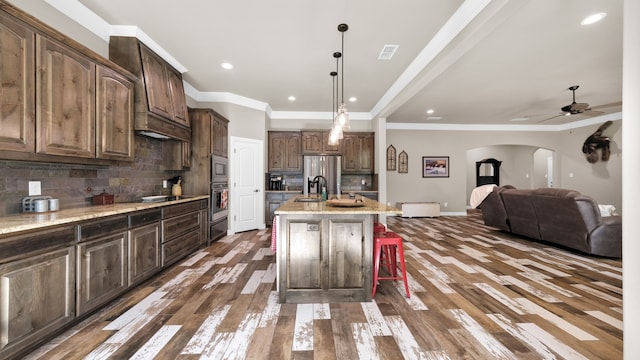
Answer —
(560, 216)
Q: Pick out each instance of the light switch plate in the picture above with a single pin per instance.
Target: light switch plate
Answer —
(34, 188)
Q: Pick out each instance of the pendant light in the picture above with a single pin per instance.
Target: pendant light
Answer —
(336, 131)
(343, 115)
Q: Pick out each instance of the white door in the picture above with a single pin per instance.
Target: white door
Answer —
(247, 184)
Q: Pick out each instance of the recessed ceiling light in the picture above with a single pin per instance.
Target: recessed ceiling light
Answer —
(353, 99)
(226, 65)
(434, 117)
(430, 111)
(292, 98)
(591, 19)
(520, 119)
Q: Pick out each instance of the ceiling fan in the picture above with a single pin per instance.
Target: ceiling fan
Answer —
(576, 108)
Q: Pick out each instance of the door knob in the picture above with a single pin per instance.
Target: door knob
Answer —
(256, 190)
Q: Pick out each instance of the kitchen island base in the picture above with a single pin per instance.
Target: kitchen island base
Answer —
(325, 257)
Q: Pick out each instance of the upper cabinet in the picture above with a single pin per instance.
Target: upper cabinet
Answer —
(160, 102)
(285, 152)
(316, 142)
(114, 115)
(61, 102)
(358, 153)
(219, 134)
(65, 101)
(17, 75)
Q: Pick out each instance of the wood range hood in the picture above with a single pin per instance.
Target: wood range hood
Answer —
(160, 103)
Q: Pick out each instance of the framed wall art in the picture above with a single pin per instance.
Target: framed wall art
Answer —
(435, 166)
(391, 158)
(403, 162)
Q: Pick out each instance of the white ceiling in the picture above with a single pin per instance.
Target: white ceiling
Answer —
(473, 61)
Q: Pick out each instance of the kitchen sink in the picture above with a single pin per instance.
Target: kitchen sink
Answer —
(308, 199)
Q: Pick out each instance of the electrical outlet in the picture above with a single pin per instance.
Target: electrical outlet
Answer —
(446, 204)
(35, 188)
(164, 184)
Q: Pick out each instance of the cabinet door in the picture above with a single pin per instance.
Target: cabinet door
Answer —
(17, 76)
(293, 159)
(114, 115)
(37, 298)
(65, 100)
(350, 153)
(311, 142)
(304, 262)
(102, 271)
(346, 262)
(285, 152)
(366, 153)
(144, 252)
(219, 134)
(157, 83)
(178, 99)
(272, 202)
(329, 149)
(358, 153)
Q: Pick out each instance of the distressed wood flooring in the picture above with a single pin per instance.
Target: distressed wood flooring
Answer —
(476, 293)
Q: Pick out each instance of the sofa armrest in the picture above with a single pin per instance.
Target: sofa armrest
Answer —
(606, 239)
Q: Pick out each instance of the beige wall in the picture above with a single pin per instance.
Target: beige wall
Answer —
(601, 180)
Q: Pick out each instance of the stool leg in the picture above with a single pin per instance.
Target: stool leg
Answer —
(404, 270)
(376, 267)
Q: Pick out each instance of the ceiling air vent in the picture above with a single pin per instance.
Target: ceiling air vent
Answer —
(387, 52)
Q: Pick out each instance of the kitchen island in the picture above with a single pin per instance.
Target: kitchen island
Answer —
(324, 251)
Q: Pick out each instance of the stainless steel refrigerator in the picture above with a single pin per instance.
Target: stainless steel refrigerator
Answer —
(327, 166)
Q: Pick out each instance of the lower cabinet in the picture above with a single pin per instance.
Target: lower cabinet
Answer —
(144, 252)
(181, 228)
(325, 258)
(273, 200)
(38, 297)
(51, 276)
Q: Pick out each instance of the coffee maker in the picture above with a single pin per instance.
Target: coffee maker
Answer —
(275, 182)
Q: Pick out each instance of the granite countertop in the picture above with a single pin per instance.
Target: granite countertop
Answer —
(32, 221)
(292, 206)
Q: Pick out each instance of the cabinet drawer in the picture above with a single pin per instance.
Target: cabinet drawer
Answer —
(145, 217)
(180, 247)
(176, 226)
(31, 243)
(174, 210)
(104, 227)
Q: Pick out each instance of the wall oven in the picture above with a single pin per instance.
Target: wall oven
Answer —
(219, 214)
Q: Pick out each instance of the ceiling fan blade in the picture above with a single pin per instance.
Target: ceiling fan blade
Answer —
(604, 106)
(553, 117)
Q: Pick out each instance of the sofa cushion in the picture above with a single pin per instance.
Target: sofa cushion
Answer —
(522, 216)
(561, 221)
(493, 212)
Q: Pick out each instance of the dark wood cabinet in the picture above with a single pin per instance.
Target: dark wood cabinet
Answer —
(273, 200)
(114, 115)
(60, 101)
(17, 110)
(144, 245)
(181, 229)
(102, 262)
(284, 152)
(358, 153)
(37, 280)
(65, 101)
(209, 136)
(317, 143)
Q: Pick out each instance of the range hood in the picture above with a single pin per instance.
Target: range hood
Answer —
(160, 103)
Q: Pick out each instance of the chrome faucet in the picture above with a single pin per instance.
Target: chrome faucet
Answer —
(314, 182)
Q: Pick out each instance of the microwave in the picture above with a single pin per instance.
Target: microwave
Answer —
(219, 169)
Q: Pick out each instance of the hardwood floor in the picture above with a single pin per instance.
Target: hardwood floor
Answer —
(476, 293)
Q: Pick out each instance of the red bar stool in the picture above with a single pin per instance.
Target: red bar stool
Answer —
(391, 244)
(378, 227)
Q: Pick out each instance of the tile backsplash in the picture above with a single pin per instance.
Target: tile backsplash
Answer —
(75, 185)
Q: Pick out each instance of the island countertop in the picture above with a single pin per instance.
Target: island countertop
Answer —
(369, 206)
